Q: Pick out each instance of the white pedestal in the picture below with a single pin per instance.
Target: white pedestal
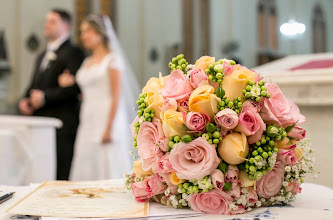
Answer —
(27, 149)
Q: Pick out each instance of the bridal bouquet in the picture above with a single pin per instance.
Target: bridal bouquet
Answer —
(218, 138)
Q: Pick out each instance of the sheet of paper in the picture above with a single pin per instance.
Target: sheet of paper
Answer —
(81, 199)
(156, 211)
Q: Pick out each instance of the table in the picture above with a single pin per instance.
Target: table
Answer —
(316, 202)
(27, 149)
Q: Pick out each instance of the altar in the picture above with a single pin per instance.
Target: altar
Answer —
(27, 149)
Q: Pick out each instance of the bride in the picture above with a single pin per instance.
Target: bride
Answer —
(103, 140)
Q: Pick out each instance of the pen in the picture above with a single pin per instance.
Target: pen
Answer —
(5, 197)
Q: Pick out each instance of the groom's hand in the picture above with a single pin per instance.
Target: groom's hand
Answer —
(37, 98)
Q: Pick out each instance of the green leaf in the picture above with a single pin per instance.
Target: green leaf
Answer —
(227, 186)
(289, 128)
(223, 167)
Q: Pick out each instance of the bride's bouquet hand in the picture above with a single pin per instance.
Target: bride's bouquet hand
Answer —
(66, 79)
(106, 138)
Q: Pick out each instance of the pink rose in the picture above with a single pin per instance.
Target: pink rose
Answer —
(151, 141)
(227, 68)
(177, 86)
(297, 133)
(139, 191)
(227, 119)
(212, 202)
(169, 103)
(154, 185)
(137, 119)
(164, 165)
(294, 187)
(251, 124)
(194, 160)
(254, 104)
(196, 122)
(287, 157)
(257, 77)
(183, 106)
(217, 179)
(278, 109)
(235, 191)
(232, 174)
(198, 78)
(252, 195)
(270, 184)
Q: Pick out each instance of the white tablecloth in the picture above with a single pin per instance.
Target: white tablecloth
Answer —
(315, 202)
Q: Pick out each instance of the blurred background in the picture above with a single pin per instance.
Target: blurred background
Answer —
(252, 32)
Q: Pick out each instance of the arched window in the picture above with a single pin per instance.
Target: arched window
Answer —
(318, 30)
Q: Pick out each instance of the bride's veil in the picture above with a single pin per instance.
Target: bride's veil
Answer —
(130, 85)
(129, 92)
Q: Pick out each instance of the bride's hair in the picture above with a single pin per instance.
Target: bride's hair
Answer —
(97, 22)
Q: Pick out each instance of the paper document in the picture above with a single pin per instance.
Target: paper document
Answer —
(81, 199)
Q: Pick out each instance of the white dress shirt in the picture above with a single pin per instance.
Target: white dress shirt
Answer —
(51, 48)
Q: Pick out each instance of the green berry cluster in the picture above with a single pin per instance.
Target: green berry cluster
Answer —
(212, 135)
(148, 114)
(235, 105)
(215, 71)
(135, 143)
(258, 161)
(177, 139)
(136, 128)
(275, 132)
(142, 105)
(179, 63)
(194, 186)
(255, 92)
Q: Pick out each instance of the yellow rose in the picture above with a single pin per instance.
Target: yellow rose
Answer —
(204, 100)
(138, 170)
(203, 62)
(298, 153)
(155, 84)
(244, 179)
(173, 123)
(174, 179)
(234, 148)
(236, 82)
(154, 98)
(155, 101)
(285, 143)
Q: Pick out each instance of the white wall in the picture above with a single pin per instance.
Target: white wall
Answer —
(146, 24)
(21, 18)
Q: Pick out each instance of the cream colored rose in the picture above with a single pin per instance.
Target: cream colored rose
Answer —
(244, 179)
(204, 100)
(173, 123)
(236, 82)
(298, 153)
(155, 84)
(234, 148)
(174, 179)
(204, 62)
(138, 170)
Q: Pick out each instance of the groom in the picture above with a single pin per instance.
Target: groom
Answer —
(44, 97)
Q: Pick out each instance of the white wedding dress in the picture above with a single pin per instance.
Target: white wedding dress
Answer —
(93, 160)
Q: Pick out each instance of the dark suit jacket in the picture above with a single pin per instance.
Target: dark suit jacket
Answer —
(60, 102)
